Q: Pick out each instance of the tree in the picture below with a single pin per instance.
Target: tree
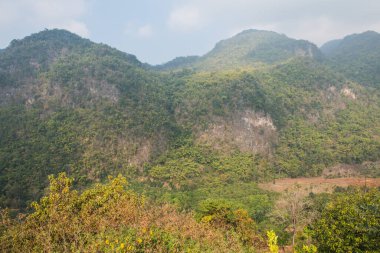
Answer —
(350, 223)
(291, 211)
(223, 214)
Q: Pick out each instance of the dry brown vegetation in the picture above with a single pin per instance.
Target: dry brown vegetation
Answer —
(110, 218)
(319, 184)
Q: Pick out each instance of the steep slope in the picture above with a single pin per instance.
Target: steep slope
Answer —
(51, 54)
(72, 105)
(249, 48)
(183, 136)
(199, 138)
(357, 56)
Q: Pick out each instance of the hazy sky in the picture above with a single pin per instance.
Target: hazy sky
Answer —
(159, 30)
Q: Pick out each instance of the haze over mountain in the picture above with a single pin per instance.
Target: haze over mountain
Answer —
(357, 56)
(197, 132)
(159, 31)
(249, 48)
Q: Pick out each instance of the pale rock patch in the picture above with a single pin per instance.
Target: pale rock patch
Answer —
(347, 92)
(247, 131)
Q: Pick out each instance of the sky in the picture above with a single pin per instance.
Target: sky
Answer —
(157, 31)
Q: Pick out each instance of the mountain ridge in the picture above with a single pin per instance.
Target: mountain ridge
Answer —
(249, 47)
(356, 56)
(91, 110)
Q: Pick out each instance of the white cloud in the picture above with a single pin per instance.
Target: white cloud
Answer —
(41, 11)
(185, 18)
(145, 31)
(27, 16)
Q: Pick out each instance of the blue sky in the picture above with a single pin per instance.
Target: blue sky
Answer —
(159, 30)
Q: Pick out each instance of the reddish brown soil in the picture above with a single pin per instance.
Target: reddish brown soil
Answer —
(318, 184)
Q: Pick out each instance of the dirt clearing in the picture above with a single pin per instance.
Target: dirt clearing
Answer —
(318, 184)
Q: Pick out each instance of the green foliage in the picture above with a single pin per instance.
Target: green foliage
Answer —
(248, 48)
(302, 150)
(306, 149)
(357, 56)
(187, 164)
(89, 110)
(350, 223)
(190, 174)
(31, 149)
(35, 53)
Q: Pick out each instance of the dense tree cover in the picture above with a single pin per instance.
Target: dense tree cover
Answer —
(357, 56)
(87, 144)
(306, 149)
(25, 59)
(350, 222)
(93, 111)
(189, 174)
(86, 109)
(248, 48)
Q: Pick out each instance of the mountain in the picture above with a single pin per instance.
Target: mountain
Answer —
(179, 62)
(249, 48)
(194, 145)
(24, 60)
(66, 101)
(329, 47)
(90, 110)
(357, 56)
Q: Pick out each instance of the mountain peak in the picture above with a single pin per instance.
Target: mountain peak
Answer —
(353, 40)
(252, 47)
(357, 56)
(56, 36)
(38, 52)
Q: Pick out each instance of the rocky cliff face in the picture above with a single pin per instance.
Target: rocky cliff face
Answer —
(247, 131)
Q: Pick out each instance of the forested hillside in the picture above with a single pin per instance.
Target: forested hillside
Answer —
(357, 56)
(248, 48)
(197, 133)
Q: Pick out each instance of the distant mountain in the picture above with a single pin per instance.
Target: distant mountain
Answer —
(329, 47)
(357, 56)
(179, 62)
(250, 48)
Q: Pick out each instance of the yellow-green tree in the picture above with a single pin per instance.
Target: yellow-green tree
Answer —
(350, 223)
